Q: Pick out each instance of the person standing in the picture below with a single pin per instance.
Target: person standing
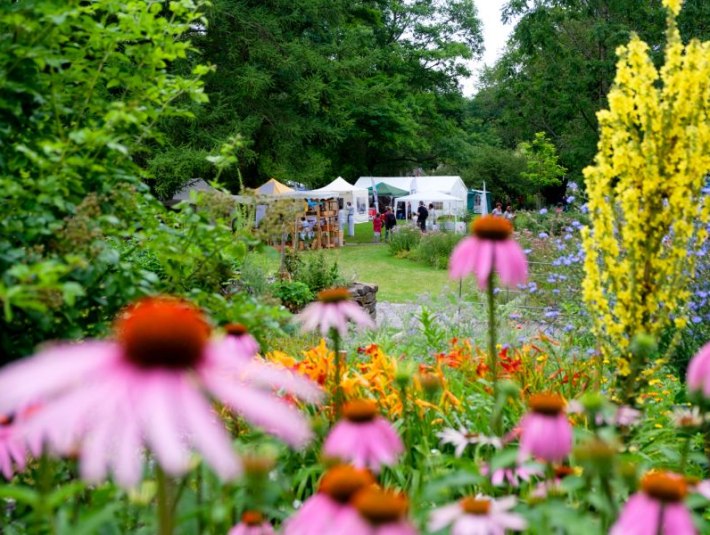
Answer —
(390, 222)
(498, 210)
(432, 216)
(350, 211)
(509, 215)
(377, 226)
(422, 214)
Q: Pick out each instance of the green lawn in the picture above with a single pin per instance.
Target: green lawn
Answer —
(399, 280)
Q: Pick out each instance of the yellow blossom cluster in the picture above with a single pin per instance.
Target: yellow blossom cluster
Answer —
(372, 375)
(648, 215)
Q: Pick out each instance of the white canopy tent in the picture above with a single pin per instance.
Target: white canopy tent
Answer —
(349, 193)
(451, 205)
(451, 185)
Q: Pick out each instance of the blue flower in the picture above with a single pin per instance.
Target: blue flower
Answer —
(543, 235)
(584, 208)
(570, 199)
(543, 211)
(696, 319)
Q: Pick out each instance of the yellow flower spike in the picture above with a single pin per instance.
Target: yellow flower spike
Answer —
(644, 190)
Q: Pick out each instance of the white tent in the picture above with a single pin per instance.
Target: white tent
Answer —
(357, 196)
(451, 185)
(450, 204)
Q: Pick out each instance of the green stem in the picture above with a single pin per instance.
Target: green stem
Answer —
(493, 354)
(165, 510)
(684, 453)
(339, 358)
(405, 420)
(45, 487)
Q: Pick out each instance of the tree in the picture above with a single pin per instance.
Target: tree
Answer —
(542, 170)
(326, 87)
(559, 66)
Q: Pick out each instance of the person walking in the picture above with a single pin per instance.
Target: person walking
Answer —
(432, 217)
(422, 214)
(350, 211)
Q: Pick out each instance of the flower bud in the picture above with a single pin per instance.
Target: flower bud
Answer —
(643, 346)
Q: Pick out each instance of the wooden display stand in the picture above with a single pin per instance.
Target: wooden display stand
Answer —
(326, 230)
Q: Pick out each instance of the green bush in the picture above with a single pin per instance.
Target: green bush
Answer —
(313, 269)
(435, 248)
(293, 294)
(404, 240)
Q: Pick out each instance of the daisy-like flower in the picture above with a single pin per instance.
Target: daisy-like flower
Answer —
(12, 447)
(377, 512)
(461, 439)
(698, 376)
(545, 431)
(657, 508)
(512, 476)
(252, 523)
(490, 248)
(148, 387)
(688, 419)
(363, 437)
(324, 512)
(478, 516)
(332, 310)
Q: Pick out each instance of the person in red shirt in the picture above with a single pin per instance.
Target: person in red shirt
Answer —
(377, 226)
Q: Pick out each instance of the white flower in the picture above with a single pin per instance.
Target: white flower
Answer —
(461, 438)
(477, 516)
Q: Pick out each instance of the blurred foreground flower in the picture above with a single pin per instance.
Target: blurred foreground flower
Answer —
(698, 377)
(480, 515)
(657, 509)
(363, 437)
(252, 523)
(323, 512)
(12, 447)
(377, 512)
(490, 248)
(333, 309)
(109, 398)
(545, 431)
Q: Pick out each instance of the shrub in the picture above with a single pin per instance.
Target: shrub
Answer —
(293, 294)
(313, 270)
(435, 249)
(404, 240)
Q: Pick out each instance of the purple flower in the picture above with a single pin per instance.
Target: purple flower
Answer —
(543, 235)
(543, 211)
(570, 199)
(545, 431)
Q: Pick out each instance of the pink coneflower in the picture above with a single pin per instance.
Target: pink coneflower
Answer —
(333, 309)
(245, 346)
(461, 439)
(657, 509)
(109, 398)
(12, 448)
(377, 512)
(490, 248)
(698, 376)
(513, 476)
(545, 431)
(324, 512)
(477, 516)
(252, 523)
(363, 437)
